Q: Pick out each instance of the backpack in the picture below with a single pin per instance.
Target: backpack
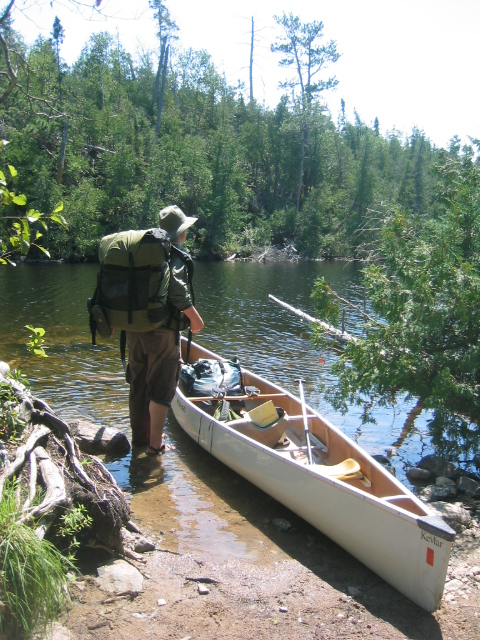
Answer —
(132, 283)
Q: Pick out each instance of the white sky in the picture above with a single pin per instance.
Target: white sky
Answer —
(407, 62)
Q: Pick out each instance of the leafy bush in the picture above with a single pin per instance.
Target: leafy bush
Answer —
(33, 574)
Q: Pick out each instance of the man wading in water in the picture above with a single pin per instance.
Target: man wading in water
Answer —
(154, 357)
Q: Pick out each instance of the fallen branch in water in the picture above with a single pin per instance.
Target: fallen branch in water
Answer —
(327, 328)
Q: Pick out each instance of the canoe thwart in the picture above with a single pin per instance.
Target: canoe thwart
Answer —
(259, 396)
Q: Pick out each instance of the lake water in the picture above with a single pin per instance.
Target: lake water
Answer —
(186, 491)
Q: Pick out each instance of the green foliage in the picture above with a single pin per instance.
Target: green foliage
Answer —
(325, 303)
(12, 423)
(35, 345)
(33, 574)
(282, 224)
(75, 520)
(425, 292)
(23, 233)
(248, 173)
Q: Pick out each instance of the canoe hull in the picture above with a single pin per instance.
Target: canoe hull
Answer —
(409, 551)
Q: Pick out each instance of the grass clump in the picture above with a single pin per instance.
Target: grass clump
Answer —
(33, 575)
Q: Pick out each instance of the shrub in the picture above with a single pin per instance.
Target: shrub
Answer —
(33, 574)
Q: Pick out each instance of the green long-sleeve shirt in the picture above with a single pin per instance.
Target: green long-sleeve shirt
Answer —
(179, 293)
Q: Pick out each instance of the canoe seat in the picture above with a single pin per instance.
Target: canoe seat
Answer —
(349, 469)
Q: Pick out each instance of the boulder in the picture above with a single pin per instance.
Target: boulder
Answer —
(454, 514)
(469, 486)
(434, 493)
(418, 475)
(119, 576)
(442, 481)
(98, 440)
(439, 467)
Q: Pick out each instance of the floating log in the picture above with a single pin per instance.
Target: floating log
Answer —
(331, 331)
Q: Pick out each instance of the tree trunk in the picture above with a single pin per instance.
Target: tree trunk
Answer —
(159, 73)
(61, 159)
(251, 63)
(302, 163)
(162, 91)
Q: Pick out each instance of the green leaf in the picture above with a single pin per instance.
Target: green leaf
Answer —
(13, 171)
(25, 247)
(58, 219)
(43, 250)
(20, 200)
(2, 177)
(58, 208)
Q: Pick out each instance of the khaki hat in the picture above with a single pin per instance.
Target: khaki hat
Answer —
(174, 221)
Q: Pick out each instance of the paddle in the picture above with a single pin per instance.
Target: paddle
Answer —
(305, 422)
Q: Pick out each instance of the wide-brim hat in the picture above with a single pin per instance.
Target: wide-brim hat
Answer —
(174, 221)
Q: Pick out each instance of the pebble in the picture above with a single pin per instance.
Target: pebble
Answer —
(142, 546)
(202, 590)
(161, 602)
(281, 524)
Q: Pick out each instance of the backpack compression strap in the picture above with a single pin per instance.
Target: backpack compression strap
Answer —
(123, 345)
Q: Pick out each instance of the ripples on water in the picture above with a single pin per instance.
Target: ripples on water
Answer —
(79, 380)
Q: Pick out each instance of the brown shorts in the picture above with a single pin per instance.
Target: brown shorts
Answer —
(154, 364)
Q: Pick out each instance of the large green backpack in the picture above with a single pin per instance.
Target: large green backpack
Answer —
(132, 283)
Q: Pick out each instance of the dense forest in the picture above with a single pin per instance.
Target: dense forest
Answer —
(116, 139)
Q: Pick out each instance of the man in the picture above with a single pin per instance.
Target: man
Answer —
(154, 357)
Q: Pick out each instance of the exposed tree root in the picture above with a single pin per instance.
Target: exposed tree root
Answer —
(52, 475)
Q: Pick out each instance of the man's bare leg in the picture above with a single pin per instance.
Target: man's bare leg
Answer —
(158, 415)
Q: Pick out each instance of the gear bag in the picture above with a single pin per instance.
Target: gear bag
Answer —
(213, 378)
(132, 283)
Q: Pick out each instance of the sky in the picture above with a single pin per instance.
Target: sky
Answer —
(409, 63)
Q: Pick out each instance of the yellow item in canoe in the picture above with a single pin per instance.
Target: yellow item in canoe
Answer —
(264, 415)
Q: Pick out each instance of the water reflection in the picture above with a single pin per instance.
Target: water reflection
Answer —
(194, 494)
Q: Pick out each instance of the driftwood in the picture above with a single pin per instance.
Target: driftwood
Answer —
(331, 331)
(46, 462)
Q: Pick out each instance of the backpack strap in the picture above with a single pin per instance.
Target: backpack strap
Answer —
(123, 348)
(189, 344)
(92, 323)
(131, 284)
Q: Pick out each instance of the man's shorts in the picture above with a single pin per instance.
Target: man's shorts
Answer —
(154, 363)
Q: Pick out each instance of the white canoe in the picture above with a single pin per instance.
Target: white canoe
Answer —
(344, 493)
